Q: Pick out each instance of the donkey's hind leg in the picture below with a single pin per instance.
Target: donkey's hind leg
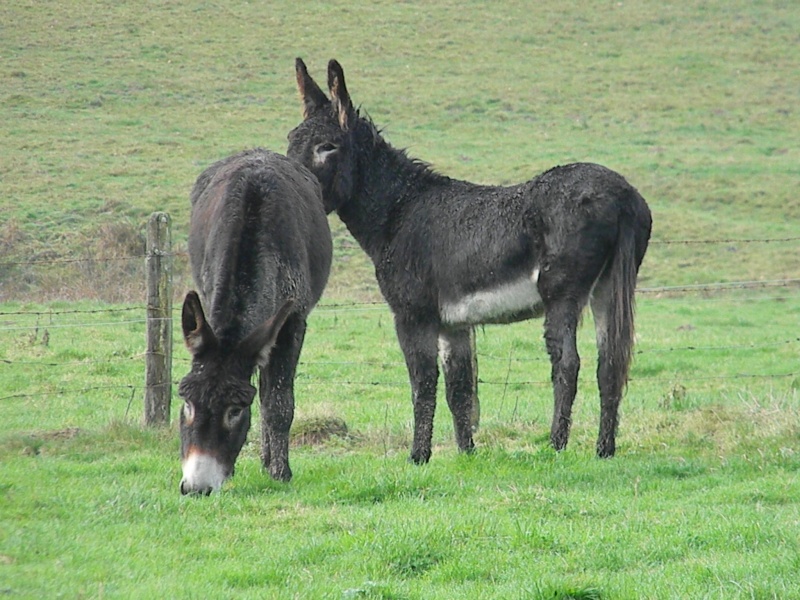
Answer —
(460, 370)
(276, 388)
(610, 376)
(561, 324)
(419, 344)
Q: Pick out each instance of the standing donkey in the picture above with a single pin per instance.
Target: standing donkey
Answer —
(260, 250)
(451, 254)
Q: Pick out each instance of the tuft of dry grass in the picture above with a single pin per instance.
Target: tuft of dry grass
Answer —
(316, 431)
(110, 266)
(744, 426)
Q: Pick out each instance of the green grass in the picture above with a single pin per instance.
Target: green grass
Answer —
(700, 502)
(109, 111)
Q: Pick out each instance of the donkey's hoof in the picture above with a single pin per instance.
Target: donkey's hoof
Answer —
(419, 458)
(606, 450)
(559, 442)
(280, 473)
(467, 447)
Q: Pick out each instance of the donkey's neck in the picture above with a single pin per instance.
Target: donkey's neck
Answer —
(389, 182)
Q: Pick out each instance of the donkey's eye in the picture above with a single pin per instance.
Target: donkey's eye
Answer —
(188, 412)
(326, 147)
(233, 414)
(322, 152)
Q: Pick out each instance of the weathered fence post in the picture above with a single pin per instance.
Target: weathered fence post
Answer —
(158, 360)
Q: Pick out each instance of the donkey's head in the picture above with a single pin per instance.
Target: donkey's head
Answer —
(217, 396)
(325, 141)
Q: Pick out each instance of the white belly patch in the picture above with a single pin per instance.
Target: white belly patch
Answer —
(494, 304)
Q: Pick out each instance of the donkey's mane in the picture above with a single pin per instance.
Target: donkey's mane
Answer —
(415, 167)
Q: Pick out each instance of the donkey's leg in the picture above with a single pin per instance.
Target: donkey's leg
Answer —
(610, 376)
(276, 388)
(475, 416)
(458, 362)
(419, 344)
(561, 323)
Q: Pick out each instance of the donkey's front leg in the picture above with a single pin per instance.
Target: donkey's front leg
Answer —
(277, 399)
(460, 370)
(419, 344)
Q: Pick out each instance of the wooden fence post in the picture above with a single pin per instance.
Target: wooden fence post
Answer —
(158, 360)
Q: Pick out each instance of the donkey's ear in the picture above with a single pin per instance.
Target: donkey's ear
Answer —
(313, 97)
(339, 96)
(258, 344)
(197, 332)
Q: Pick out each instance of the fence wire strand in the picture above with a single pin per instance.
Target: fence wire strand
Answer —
(45, 321)
(183, 254)
(304, 379)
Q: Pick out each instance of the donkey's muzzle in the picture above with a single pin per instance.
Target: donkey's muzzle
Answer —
(202, 473)
(187, 490)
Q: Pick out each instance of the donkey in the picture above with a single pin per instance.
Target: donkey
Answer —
(260, 249)
(451, 254)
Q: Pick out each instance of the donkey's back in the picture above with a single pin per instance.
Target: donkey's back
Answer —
(258, 236)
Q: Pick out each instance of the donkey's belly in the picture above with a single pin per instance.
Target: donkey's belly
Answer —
(506, 303)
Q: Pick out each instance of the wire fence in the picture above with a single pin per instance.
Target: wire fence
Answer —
(37, 323)
(183, 254)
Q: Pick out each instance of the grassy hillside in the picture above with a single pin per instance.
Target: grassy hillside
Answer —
(109, 110)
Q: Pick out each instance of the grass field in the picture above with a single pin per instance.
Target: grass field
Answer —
(700, 502)
(110, 110)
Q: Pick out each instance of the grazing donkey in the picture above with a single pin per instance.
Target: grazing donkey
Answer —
(451, 254)
(260, 249)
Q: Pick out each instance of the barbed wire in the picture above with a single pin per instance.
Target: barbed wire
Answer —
(377, 305)
(71, 363)
(380, 305)
(69, 391)
(541, 357)
(759, 346)
(727, 241)
(77, 325)
(63, 261)
(722, 298)
(655, 350)
(47, 313)
(547, 382)
(88, 259)
(720, 286)
(183, 254)
(305, 379)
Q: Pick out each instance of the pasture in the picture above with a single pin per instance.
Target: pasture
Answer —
(110, 111)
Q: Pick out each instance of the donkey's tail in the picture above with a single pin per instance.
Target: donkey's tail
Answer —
(633, 236)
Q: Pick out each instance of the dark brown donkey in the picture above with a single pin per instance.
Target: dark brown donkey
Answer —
(260, 249)
(451, 254)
